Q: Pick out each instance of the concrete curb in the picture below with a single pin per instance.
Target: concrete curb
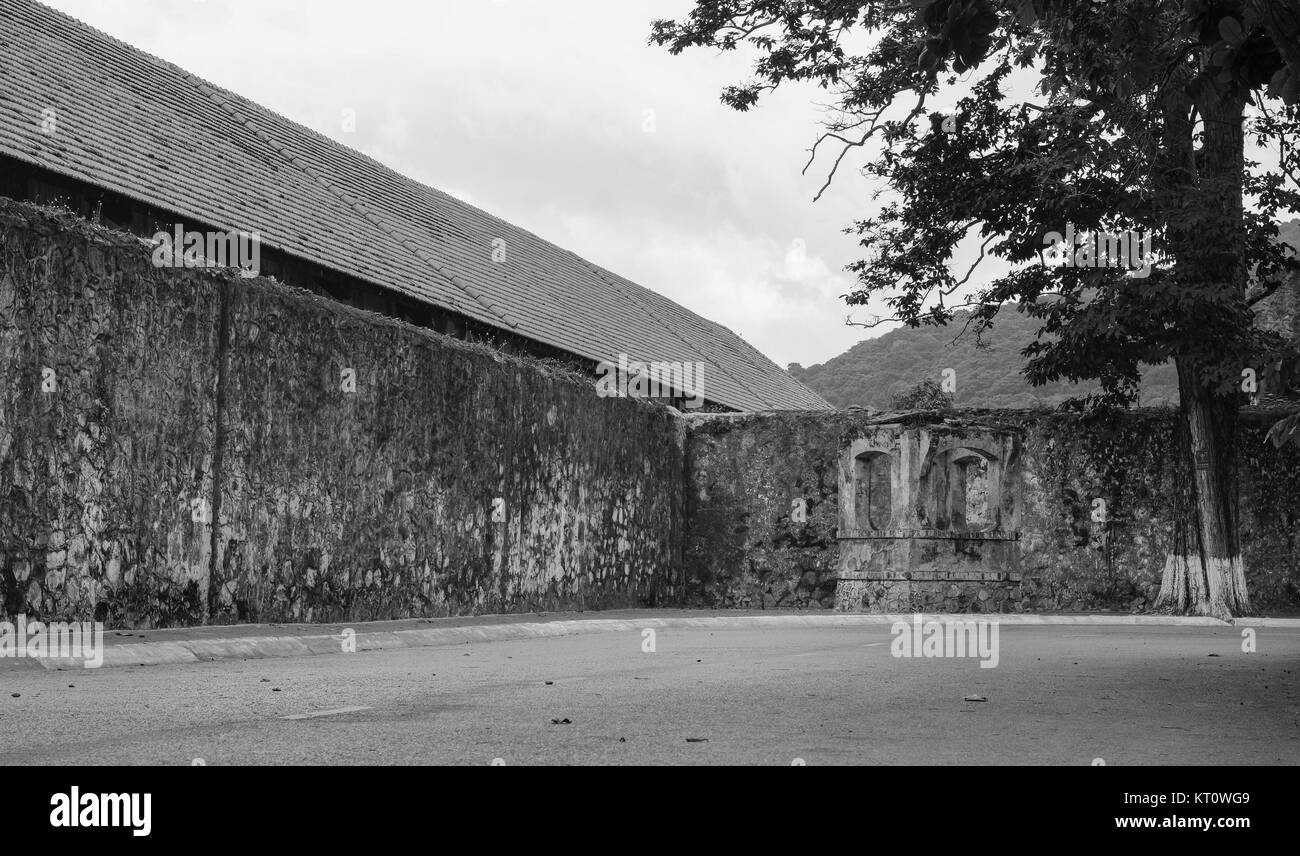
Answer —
(261, 647)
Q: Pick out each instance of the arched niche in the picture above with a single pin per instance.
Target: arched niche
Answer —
(975, 490)
(961, 489)
(873, 489)
(870, 484)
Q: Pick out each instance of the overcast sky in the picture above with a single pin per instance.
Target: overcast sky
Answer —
(536, 110)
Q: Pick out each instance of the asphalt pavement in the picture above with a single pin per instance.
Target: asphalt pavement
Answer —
(1072, 694)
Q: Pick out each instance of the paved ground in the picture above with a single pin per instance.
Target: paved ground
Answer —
(1060, 695)
(218, 632)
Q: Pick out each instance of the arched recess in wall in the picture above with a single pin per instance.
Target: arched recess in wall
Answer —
(959, 490)
(972, 499)
(873, 490)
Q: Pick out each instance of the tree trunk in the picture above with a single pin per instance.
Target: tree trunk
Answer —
(1183, 581)
(1204, 572)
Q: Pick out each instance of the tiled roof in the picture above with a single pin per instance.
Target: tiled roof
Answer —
(142, 127)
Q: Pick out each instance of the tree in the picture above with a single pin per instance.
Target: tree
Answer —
(1140, 135)
(926, 395)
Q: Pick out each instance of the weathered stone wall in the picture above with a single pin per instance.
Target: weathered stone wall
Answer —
(744, 471)
(181, 447)
(200, 456)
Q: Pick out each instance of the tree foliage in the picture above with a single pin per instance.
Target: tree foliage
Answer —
(926, 395)
(1112, 147)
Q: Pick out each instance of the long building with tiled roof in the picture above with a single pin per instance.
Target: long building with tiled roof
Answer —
(140, 142)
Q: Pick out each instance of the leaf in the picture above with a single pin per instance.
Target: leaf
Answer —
(1284, 430)
(1231, 31)
(1291, 91)
(1277, 82)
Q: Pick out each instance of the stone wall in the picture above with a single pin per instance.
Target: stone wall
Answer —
(184, 446)
(763, 511)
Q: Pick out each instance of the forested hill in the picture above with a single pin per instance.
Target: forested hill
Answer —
(871, 372)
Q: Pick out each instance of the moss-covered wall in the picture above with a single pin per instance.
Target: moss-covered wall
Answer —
(744, 549)
(201, 456)
(181, 447)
